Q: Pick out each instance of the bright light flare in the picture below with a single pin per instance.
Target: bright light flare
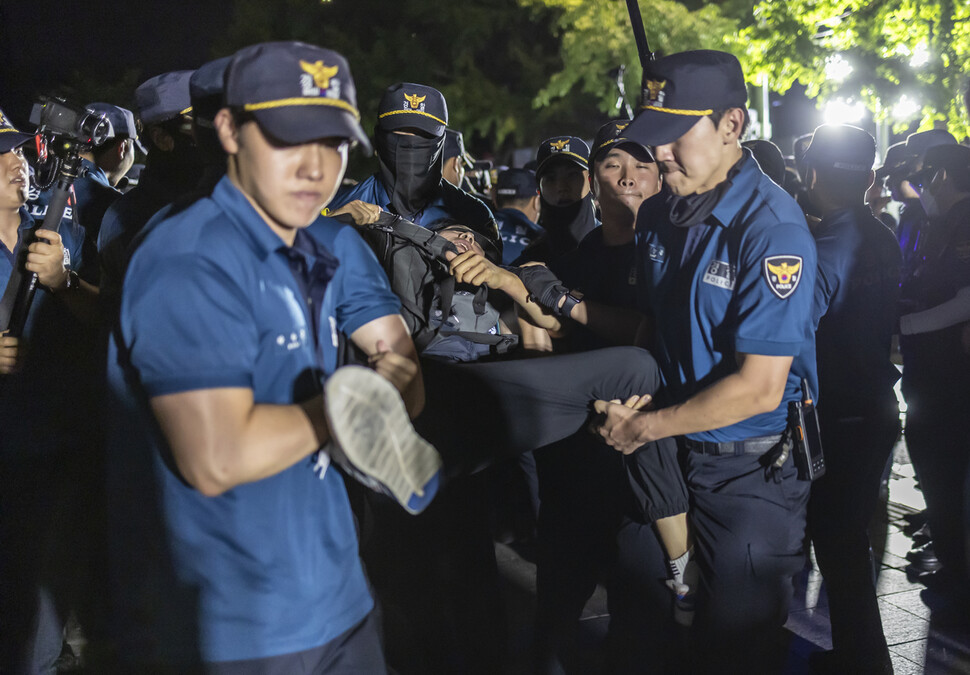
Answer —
(921, 56)
(837, 69)
(840, 111)
(905, 109)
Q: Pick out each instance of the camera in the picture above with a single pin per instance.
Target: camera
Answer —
(55, 117)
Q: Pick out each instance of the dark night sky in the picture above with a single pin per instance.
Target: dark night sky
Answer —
(43, 41)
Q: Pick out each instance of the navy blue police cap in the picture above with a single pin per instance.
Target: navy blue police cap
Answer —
(897, 161)
(561, 149)
(164, 97)
(10, 136)
(296, 92)
(207, 88)
(455, 147)
(843, 147)
(682, 88)
(413, 106)
(516, 184)
(951, 157)
(612, 135)
(769, 158)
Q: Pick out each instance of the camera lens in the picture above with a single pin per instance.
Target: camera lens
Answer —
(95, 127)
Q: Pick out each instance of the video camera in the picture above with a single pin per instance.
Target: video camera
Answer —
(55, 118)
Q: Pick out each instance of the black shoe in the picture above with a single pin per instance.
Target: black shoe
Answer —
(924, 558)
(922, 535)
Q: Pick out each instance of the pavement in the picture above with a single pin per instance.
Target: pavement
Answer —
(919, 641)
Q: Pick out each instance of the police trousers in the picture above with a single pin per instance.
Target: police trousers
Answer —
(748, 526)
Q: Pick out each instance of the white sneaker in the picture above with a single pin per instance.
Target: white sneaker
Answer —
(374, 441)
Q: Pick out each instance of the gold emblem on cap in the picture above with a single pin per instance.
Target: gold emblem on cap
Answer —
(3, 120)
(414, 100)
(558, 145)
(321, 73)
(654, 87)
(621, 127)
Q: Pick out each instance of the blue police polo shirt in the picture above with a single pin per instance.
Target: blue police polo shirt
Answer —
(72, 238)
(517, 232)
(856, 296)
(747, 286)
(213, 298)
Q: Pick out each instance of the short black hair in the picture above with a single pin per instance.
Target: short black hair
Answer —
(717, 115)
(503, 201)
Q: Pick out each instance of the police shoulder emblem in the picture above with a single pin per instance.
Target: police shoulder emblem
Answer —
(414, 100)
(559, 146)
(783, 272)
(320, 73)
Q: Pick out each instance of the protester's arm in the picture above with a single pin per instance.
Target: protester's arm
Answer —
(950, 313)
(756, 387)
(221, 439)
(391, 353)
(472, 268)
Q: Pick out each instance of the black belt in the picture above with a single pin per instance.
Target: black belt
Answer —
(758, 445)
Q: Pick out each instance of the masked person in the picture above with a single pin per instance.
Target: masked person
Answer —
(936, 364)
(566, 214)
(456, 160)
(855, 307)
(517, 199)
(409, 141)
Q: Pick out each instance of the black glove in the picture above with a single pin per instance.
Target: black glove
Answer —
(545, 288)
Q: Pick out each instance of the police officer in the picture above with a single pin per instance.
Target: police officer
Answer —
(566, 214)
(727, 270)
(855, 307)
(231, 318)
(517, 199)
(456, 160)
(937, 363)
(410, 139)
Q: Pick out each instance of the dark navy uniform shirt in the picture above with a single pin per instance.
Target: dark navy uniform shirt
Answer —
(746, 286)
(517, 232)
(856, 295)
(213, 298)
(450, 204)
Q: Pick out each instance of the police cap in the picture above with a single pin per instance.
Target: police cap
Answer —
(612, 135)
(953, 158)
(207, 89)
(516, 184)
(681, 88)
(413, 106)
(164, 97)
(10, 136)
(561, 149)
(843, 147)
(296, 92)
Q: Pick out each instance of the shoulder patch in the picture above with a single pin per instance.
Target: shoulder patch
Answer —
(783, 272)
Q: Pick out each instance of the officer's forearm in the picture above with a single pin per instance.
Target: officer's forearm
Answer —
(730, 400)
(617, 325)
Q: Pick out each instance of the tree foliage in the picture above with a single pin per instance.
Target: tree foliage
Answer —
(919, 49)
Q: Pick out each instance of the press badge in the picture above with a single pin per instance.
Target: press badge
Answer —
(720, 274)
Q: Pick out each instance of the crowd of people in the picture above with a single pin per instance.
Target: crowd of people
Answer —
(261, 417)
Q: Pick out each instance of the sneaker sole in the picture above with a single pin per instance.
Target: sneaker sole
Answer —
(371, 428)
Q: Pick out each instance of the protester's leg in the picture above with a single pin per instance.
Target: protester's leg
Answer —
(839, 510)
(581, 485)
(508, 407)
(748, 531)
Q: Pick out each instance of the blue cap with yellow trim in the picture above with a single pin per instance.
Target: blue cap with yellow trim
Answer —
(681, 88)
(296, 92)
(561, 148)
(406, 105)
(10, 136)
(164, 97)
(612, 135)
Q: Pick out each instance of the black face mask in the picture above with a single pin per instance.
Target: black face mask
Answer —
(177, 170)
(410, 169)
(693, 209)
(567, 225)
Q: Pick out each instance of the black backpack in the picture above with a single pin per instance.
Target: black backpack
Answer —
(446, 320)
